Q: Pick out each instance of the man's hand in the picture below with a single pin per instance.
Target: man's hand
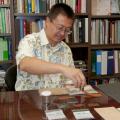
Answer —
(74, 74)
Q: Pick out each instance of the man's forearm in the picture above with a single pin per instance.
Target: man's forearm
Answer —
(37, 66)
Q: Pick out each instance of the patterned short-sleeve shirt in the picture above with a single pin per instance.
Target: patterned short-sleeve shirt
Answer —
(37, 45)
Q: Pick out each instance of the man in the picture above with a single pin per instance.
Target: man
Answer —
(43, 59)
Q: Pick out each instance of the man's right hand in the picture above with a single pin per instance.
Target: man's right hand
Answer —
(74, 74)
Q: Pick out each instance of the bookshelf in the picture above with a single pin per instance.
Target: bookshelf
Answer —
(7, 43)
(104, 40)
(82, 49)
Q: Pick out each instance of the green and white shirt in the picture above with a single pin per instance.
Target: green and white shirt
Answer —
(37, 45)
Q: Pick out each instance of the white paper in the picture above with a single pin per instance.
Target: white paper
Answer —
(55, 114)
(118, 109)
(101, 7)
(90, 89)
(75, 91)
(108, 113)
(82, 114)
(114, 6)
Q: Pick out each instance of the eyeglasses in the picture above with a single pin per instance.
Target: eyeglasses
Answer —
(61, 28)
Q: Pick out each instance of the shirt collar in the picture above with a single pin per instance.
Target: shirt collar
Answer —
(44, 40)
(43, 37)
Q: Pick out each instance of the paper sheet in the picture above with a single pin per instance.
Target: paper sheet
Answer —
(108, 113)
(81, 114)
(56, 114)
(90, 89)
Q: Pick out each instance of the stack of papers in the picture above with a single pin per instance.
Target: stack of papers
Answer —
(70, 90)
(81, 114)
(75, 91)
(90, 89)
(56, 114)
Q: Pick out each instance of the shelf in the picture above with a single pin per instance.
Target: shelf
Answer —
(44, 14)
(108, 46)
(7, 61)
(81, 14)
(5, 6)
(78, 45)
(105, 17)
(5, 35)
(30, 15)
(105, 76)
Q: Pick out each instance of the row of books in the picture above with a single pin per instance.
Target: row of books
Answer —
(43, 6)
(5, 49)
(105, 31)
(5, 20)
(80, 30)
(29, 26)
(2, 2)
(2, 75)
(105, 62)
(80, 64)
(105, 7)
(105, 81)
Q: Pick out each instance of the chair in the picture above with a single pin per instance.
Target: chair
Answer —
(10, 77)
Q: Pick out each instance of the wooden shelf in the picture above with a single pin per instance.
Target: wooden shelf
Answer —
(7, 61)
(105, 17)
(108, 46)
(30, 15)
(5, 6)
(5, 35)
(43, 14)
(78, 45)
(105, 76)
(81, 14)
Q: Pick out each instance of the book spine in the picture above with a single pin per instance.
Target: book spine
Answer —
(110, 65)
(98, 62)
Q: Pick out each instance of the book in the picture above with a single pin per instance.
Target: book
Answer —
(116, 61)
(98, 62)
(115, 7)
(104, 63)
(110, 62)
(93, 61)
(101, 7)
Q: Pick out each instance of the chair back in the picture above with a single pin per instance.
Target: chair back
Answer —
(10, 77)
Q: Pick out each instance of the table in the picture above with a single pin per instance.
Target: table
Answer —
(26, 105)
(111, 90)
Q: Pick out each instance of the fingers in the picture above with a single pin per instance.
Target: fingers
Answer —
(83, 79)
(79, 79)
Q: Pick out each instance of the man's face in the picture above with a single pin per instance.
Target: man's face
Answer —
(58, 28)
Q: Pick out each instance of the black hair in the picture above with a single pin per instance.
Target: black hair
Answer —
(60, 8)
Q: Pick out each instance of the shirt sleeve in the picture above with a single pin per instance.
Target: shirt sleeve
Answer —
(25, 48)
(69, 62)
(69, 57)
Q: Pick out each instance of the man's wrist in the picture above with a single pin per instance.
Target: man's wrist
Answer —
(61, 68)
